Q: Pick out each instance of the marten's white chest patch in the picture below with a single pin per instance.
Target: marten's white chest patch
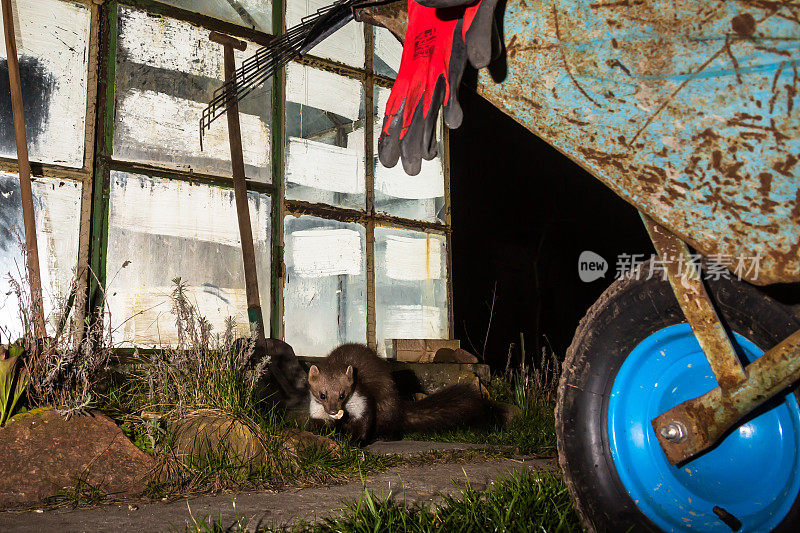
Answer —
(356, 405)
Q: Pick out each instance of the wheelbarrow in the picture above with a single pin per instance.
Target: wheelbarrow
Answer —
(677, 408)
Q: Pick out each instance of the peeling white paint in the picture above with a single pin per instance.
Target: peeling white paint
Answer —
(346, 45)
(167, 43)
(158, 128)
(178, 229)
(323, 90)
(180, 209)
(324, 166)
(56, 33)
(260, 11)
(411, 258)
(388, 48)
(413, 322)
(327, 252)
(57, 207)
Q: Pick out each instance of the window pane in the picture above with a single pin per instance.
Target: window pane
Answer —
(53, 48)
(325, 137)
(326, 286)
(255, 14)
(346, 45)
(388, 51)
(160, 229)
(419, 197)
(410, 286)
(57, 205)
(167, 71)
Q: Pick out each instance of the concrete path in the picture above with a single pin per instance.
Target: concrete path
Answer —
(419, 483)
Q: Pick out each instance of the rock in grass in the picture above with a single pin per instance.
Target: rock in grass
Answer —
(207, 433)
(42, 454)
(236, 442)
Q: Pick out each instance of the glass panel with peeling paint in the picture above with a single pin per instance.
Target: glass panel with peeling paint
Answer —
(387, 53)
(419, 197)
(179, 230)
(57, 206)
(410, 286)
(325, 295)
(166, 74)
(256, 14)
(346, 45)
(325, 138)
(53, 50)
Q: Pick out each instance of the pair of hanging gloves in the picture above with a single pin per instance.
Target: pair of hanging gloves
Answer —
(441, 36)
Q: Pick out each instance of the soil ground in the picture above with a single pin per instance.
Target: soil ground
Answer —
(273, 509)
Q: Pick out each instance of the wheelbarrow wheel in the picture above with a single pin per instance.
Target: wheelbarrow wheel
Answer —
(633, 357)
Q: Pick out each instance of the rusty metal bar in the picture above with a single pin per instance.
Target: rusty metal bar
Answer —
(24, 168)
(699, 423)
(687, 284)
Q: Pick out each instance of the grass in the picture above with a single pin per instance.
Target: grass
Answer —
(532, 391)
(524, 501)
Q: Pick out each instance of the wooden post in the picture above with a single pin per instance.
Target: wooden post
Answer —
(24, 168)
(242, 209)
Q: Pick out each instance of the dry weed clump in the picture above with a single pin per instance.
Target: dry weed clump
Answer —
(64, 368)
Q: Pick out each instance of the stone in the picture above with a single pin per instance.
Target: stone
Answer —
(429, 378)
(210, 431)
(42, 454)
(297, 440)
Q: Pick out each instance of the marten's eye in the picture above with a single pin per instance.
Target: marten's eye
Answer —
(321, 395)
(341, 396)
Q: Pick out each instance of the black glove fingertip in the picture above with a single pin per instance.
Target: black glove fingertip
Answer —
(411, 146)
(389, 140)
(479, 35)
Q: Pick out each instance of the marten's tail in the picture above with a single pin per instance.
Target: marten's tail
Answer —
(456, 406)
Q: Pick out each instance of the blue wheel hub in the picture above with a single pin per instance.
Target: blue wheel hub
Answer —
(753, 474)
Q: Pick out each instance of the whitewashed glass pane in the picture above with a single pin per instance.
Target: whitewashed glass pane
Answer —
(388, 51)
(255, 14)
(410, 286)
(166, 74)
(161, 229)
(325, 296)
(419, 197)
(346, 45)
(325, 138)
(53, 48)
(57, 205)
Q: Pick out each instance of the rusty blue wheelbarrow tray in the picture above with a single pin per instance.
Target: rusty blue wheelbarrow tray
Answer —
(687, 109)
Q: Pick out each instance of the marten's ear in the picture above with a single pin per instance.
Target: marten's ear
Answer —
(349, 374)
(313, 374)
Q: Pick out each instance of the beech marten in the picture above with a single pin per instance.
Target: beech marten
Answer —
(353, 389)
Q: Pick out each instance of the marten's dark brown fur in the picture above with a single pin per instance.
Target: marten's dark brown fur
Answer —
(353, 389)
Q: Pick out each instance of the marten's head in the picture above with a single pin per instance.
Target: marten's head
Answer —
(331, 390)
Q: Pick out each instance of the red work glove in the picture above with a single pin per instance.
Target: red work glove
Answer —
(438, 43)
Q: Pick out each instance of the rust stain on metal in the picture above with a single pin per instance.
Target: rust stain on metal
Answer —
(685, 109)
(687, 284)
(744, 25)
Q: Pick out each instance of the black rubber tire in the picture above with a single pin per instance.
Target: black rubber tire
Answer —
(629, 311)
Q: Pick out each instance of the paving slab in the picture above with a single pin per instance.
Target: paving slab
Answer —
(272, 509)
(415, 447)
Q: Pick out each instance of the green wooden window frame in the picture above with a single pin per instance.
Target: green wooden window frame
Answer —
(105, 163)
